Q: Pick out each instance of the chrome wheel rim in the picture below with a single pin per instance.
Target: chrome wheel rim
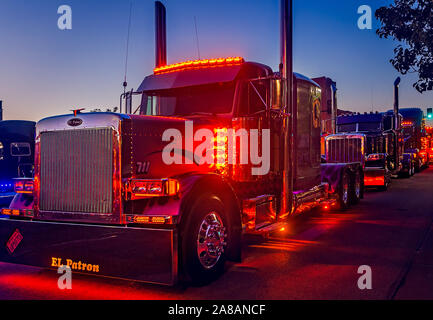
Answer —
(345, 189)
(358, 186)
(211, 240)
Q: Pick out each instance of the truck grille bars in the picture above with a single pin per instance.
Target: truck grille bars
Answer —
(345, 149)
(76, 171)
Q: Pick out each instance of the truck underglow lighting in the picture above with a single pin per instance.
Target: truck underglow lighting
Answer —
(198, 64)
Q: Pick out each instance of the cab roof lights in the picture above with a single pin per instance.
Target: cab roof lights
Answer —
(198, 64)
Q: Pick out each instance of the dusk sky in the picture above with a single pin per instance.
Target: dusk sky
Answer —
(45, 71)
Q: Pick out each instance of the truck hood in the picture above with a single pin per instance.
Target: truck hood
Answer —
(143, 145)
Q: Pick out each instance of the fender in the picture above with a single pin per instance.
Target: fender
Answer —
(22, 201)
(193, 185)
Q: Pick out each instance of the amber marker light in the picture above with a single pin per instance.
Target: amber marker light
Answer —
(198, 64)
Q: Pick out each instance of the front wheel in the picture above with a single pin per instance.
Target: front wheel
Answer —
(204, 241)
(412, 170)
(418, 166)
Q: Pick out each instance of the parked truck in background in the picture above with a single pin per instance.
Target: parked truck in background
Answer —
(17, 144)
(383, 146)
(429, 142)
(105, 195)
(414, 135)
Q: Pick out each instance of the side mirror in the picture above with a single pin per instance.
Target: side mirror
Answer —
(276, 94)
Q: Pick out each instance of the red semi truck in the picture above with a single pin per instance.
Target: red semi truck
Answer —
(136, 197)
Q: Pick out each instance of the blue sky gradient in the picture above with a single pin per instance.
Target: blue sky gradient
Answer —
(45, 71)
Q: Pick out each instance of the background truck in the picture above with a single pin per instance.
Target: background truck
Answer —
(429, 142)
(106, 195)
(383, 147)
(415, 136)
(17, 144)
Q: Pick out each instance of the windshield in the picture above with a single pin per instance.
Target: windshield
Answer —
(408, 131)
(351, 127)
(369, 126)
(20, 149)
(212, 99)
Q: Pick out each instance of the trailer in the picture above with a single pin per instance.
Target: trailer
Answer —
(17, 144)
(221, 148)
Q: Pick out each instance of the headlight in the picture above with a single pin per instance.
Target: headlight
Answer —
(24, 186)
(153, 188)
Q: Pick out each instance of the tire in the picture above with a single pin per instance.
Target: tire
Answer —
(204, 240)
(385, 187)
(418, 166)
(409, 172)
(356, 189)
(344, 192)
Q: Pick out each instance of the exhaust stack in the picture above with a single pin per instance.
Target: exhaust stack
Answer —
(286, 69)
(160, 35)
(396, 102)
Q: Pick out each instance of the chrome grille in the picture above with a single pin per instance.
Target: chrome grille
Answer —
(76, 173)
(344, 150)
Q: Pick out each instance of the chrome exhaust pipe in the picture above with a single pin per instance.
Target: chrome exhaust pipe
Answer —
(160, 35)
(286, 69)
(396, 101)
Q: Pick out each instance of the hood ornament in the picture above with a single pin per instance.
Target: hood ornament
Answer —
(77, 111)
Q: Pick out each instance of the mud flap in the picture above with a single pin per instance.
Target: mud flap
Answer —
(148, 255)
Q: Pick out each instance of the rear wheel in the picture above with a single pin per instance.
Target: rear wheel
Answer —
(386, 184)
(356, 190)
(409, 172)
(344, 191)
(418, 166)
(204, 240)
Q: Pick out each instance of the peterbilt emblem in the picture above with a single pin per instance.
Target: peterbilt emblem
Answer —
(75, 122)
